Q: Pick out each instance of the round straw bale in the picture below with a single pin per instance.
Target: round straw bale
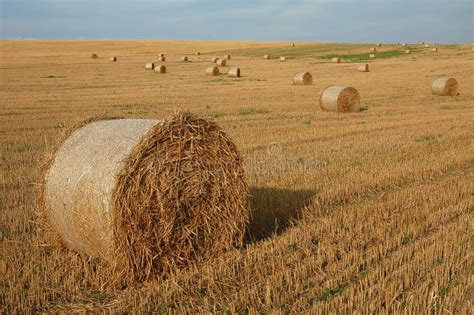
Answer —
(161, 55)
(148, 196)
(221, 62)
(94, 56)
(227, 57)
(379, 45)
(372, 56)
(336, 60)
(444, 86)
(434, 49)
(214, 59)
(197, 53)
(427, 46)
(292, 45)
(161, 58)
(184, 59)
(373, 49)
(340, 99)
(363, 68)
(407, 51)
(149, 66)
(404, 45)
(282, 58)
(160, 69)
(266, 56)
(303, 78)
(214, 70)
(113, 59)
(234, 72)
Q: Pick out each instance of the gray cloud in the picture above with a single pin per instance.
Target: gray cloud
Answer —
(319, 20)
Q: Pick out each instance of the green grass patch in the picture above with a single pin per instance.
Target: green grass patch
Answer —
(253, 111)
(365, 56)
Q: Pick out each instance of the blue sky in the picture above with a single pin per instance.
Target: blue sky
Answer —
(447, 21)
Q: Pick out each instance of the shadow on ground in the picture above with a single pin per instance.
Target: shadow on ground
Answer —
(273, 210)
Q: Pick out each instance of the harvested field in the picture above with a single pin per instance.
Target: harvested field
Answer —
(367, 212)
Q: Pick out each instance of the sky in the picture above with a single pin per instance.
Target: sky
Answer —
(446, 21)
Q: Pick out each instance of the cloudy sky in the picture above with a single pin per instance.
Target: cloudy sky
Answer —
(446, 21)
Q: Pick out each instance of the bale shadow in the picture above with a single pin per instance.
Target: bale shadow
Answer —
(273, 210)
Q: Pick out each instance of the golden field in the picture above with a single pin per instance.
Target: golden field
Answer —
(368, 212)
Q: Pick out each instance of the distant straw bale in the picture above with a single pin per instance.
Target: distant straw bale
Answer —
(227, 57)
(113, 59)
(372, 56)
(266, 56)
(221, 62)
(336, 60)
(282, 58)
(160, 69)
(214, 70)
(303, 78)
(363, 68)
(214, 59)
(161, 58)
(234, 72)
(407, 51)
(184, 59)
(94, 56)
(150, 66)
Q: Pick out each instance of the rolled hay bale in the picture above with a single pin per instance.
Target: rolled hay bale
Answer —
(113, 59)
(338, 98)
(427, 46)
(379, 45)
(161, 58)
(160, 69)
(336, 60)
(234, 72)
(372, 56)
(405, 45)
(214, 59)
(282, 58)
(434, 49)
(266, 56)
(214, 70)
(407, 51)
(221, 62)
(94, 56)
(363, 68)
(150, 66)
(303, 78)
(445, 86)
(161, 55)
(292, 45)
(198, 53)
(227, 57)
(184, 59)
(373, 49)
(148, 196)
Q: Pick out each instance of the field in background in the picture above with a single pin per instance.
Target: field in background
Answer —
(370, 211)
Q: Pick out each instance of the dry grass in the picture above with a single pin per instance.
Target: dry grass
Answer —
(370, 212)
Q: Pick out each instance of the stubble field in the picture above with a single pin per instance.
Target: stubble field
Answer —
(368, 212)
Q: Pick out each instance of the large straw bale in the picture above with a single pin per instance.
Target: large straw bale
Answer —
(434, 49)
(227, 57)
(113, 59)
(338, 98)
(336, 60)
(407, 51)
(282, 58)
(444, 86)
(373, 49)
(148, 196)
(303, 78)
(161, 58)
(266, 56)
(184, 59)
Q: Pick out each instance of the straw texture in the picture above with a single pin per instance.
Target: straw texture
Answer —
(148, 196)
